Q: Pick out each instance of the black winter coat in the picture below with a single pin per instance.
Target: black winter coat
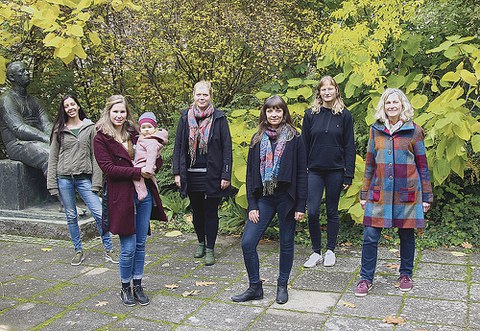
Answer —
(219, 155)
(292, 174)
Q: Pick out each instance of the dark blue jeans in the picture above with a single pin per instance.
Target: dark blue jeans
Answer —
(205, 217)
(369, 251)
(282, 204)
(332, 183)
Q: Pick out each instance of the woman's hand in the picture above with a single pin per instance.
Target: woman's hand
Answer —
(224, 184)
(426, 206)
(254, 215)
(146, 174)
(363, 203)
(177, 181)
(299, 216)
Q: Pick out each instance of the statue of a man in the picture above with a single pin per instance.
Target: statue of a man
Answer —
(24, 124)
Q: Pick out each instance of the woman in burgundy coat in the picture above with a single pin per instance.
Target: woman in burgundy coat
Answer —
(128, 217)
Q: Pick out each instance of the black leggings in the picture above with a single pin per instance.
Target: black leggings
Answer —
(205, 217)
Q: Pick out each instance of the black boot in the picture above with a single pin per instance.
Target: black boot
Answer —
(140, 296)
(282, 294)
(127, 296)
(253, 292)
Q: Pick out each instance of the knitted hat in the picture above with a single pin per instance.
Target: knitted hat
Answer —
(148, 117)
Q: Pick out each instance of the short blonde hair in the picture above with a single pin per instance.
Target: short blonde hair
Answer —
(407, 110)
(105, 124)
(204, 83)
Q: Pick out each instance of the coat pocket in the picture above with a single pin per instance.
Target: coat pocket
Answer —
(374, 194)
(407, 194)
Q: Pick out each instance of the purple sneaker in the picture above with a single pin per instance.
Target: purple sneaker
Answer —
(406, 283)
(362, 288)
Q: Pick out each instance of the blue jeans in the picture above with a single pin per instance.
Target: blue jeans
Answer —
(282, 204)
(83, 185)
(132, 247)
(369, 251)
(332, 183)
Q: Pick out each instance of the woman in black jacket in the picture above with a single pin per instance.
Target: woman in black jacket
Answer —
(276, 184)
(202, 165)
(328, 133)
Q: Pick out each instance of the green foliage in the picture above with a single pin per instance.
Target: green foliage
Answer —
(454, 217)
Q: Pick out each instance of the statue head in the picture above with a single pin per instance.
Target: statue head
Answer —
(17, 74)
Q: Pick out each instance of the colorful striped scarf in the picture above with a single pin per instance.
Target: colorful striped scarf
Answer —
(269, 159)
(199, 132)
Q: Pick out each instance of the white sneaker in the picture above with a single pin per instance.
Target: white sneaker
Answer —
(313, 260)
(329, 259)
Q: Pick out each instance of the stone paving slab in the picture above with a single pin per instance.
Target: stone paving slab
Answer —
(40, 290)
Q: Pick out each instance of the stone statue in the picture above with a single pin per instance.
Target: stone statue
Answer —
(24, 124)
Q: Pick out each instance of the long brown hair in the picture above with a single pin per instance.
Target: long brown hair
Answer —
(338, 104)
(274, 101)
(105, 125)
(62, 118)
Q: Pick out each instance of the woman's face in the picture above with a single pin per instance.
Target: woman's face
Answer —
(118, 115)
(393, 108)
(328, 93)
(201, 97)
(274, 117)
(71, 108)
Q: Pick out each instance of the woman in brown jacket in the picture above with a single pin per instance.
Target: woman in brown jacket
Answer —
(128, 217)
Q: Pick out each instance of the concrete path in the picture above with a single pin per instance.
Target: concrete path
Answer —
(40, 290)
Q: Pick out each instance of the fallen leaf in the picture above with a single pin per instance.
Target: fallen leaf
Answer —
(46, 249)
(199, 283)
(174, 233)
(101, 303)
(393, 250)
(467, 245)
(190, 293)
(171, 286)
(27, 260)
(188, 218)
(394, 320)
(393, 266)
(348, 304)
(458, 254)
(348, 244)
(264, 280)
(387, 237)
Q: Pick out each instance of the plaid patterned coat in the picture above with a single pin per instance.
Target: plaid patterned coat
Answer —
(396, 179)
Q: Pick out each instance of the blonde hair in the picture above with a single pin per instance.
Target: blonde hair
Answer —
(105, 124)
(338, 104)
(206, 84)
(407, 110)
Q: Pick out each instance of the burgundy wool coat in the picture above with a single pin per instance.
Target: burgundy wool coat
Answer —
(119, 171)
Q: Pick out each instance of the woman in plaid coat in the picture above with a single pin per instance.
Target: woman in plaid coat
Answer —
(396, 189)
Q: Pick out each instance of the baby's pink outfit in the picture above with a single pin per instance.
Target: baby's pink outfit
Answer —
(146, 153)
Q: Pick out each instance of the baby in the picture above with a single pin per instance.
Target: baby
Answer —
(149, 145)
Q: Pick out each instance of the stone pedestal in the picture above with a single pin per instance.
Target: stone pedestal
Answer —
(21, 186)
(26, 208)
(44, 221)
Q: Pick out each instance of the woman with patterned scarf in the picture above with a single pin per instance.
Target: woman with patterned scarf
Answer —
(276, 184)
(202, 162)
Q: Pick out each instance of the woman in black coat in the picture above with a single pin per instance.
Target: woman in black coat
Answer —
(276, 184)
(202, 165)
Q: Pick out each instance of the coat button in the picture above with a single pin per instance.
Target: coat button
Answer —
(390, 177)
(389, 152)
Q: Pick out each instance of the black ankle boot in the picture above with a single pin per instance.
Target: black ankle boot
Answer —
(282, 294)
(253, 292)
(127, 297)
